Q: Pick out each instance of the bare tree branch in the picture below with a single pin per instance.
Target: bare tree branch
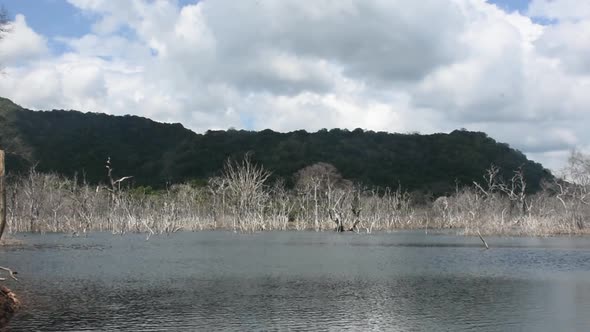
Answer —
(10, 273)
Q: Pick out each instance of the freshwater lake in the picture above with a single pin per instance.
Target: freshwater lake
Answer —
(209, 281)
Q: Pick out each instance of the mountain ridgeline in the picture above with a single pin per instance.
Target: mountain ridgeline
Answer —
(156, 154)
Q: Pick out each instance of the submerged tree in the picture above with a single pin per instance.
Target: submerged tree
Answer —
(246, 193)
(316, 182)
(574, 192)
(332, 196)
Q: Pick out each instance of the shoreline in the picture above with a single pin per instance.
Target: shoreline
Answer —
(459, 232)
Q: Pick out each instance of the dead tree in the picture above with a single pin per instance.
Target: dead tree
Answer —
(317, 183)
(115, 184)
(576, 188)
(491, 180)
(516, 191)
(356, 209)
(218, 190)
(247, 195)
(440, 206)
(336, 215)
(337, 218)
(2, 195)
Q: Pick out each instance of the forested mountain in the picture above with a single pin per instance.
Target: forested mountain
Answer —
(71, 142)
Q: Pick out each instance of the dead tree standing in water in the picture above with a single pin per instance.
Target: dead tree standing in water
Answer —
(356, 211)
(247, 195)
(2, 195)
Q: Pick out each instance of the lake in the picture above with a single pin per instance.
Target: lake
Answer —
(404, 281)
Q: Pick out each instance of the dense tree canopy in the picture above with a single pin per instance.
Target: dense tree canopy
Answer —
(71, 142)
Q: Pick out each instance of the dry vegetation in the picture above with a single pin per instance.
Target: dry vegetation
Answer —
(242, 199)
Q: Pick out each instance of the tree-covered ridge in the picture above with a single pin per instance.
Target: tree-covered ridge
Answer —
(71, 142)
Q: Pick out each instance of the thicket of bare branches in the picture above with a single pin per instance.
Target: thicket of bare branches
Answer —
(242, 199)
(496, 206)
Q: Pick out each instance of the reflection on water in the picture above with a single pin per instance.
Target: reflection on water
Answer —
(301, 280)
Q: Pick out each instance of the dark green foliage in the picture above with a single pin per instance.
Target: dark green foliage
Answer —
(157, 154)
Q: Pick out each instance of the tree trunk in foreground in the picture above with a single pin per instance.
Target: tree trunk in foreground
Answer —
(2, 196)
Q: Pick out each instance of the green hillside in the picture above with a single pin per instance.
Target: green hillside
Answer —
(71, 142)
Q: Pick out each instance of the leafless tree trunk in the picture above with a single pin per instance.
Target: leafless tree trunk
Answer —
(2, 195)
(248, 197)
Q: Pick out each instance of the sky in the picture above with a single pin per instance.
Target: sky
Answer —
(518, 70)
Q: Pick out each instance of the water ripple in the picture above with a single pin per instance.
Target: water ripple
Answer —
(224, 282)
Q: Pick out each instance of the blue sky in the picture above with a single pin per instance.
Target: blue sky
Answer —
(426, 66)
(44, 15)
(512, 5)
(57, 18)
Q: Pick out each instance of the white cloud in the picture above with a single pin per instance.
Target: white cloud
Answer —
(21, 44)
(377, 64)
(568, 43)
(565, 10)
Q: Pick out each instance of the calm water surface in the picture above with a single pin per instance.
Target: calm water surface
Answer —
(406, 281)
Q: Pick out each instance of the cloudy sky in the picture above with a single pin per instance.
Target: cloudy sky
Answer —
(516, 69)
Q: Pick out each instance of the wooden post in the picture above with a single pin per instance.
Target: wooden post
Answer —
(2, 195)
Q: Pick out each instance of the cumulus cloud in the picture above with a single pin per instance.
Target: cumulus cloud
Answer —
(563, 10)
(388, 65)
(21, 44)
(568, 43)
